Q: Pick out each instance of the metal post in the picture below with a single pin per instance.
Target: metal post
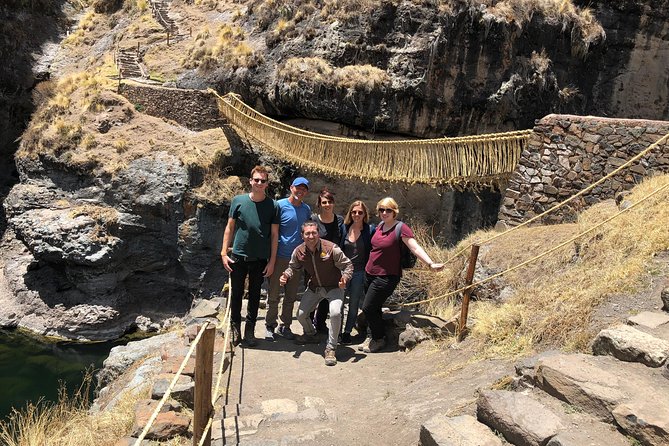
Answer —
(471, 268)
(204, 371)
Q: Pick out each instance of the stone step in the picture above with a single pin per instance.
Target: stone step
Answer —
(616, 392)
(464, 430)
(628, 344)
(652, 322)
(533, 419)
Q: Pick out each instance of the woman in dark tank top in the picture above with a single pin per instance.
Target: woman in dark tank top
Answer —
(356, 244)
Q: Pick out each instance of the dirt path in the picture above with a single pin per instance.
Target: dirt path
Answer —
(370, 399)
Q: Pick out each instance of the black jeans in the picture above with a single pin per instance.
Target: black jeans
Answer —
(240, 270)
(377, 290)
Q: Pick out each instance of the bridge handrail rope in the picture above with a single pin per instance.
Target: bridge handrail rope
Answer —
(235, 101)
(475, 159)
(539, 256)
(568, 200)
(225, 323)
(162, 401)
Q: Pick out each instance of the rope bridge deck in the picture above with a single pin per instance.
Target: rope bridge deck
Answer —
(461, 161)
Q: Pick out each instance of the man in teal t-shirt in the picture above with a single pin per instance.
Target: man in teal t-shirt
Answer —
(253, 228)
(293, 212)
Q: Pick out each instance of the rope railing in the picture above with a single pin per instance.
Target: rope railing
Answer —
(541, 255)
(608, 176)
(168, 392)
(225, 324)
(470, 160)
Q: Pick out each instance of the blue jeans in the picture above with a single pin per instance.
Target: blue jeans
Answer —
(355, 290)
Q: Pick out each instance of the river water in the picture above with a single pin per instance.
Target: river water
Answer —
(31, 369)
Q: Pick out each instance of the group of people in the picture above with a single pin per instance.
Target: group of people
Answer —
(339, 255)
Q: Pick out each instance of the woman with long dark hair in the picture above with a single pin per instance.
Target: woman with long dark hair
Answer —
(356, 242)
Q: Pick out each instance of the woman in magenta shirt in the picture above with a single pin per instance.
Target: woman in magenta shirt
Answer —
(383, 270)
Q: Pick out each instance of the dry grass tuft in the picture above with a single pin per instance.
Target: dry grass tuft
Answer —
(315, 72)
(587, 30)
(554, 298)
(217, 188)
(67, 421)
(227, 47)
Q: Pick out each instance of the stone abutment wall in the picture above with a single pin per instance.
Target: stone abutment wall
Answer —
(193, 109)
(567, 153)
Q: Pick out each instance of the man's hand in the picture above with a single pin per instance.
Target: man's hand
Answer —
(283, 279)
(227, 261)
(269, 269)
(342, 282)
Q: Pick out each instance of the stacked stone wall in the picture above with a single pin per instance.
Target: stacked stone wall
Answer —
(193, 109)
(566, 153)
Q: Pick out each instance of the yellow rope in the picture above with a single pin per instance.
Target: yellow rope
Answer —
(478, 159)
(162, 401)
(537, 257)
(568, 200)
(224, 323)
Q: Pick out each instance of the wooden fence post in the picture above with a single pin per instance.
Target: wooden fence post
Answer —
(204, 371)
(471, 268)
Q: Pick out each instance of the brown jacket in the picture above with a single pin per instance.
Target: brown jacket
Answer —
(325, 266)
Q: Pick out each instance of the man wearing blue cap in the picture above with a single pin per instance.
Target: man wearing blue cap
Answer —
(293, 212)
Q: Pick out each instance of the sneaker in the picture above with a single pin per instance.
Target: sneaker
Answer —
(364, 345)
(345, 339)
(249, 335)
(307, 339)
(375, 345)
(269, 334)
(286, 332)
(235, 335)
(330, 358)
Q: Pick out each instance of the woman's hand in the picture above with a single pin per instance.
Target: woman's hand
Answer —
(436, 267)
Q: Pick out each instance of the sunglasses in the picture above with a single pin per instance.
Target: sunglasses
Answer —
(327, 202)
(357, 212)
(259, 180)
(384, 210)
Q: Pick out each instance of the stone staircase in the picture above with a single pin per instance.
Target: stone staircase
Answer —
(160, 9)
(619, 396)
(267, 422)
(128, 63)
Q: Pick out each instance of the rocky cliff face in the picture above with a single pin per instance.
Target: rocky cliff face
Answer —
(109, 228)
(470, 69)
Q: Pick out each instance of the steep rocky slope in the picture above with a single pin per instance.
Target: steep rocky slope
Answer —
(119, 215)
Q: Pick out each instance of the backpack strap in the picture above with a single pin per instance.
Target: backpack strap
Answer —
(398, 232)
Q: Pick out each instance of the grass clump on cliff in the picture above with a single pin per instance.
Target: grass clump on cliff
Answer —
(314, 72)
(226, 47)
(587, 30)
(554, 299)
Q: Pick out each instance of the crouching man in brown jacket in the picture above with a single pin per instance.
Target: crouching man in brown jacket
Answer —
(329, 270)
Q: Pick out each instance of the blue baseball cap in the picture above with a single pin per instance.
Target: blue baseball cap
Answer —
(300, 181)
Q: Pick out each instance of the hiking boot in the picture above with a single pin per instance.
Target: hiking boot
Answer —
(269, 334)
(307, 339)
(249, 335)
(375, 345)
(286, 332)
(235, 334)
(330, 358)
(364, 345)
(345, 339)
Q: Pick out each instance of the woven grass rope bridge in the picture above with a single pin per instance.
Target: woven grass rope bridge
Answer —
(469, 161)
